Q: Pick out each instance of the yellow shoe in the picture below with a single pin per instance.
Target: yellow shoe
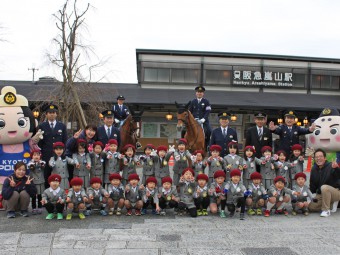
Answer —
(199, 213)
(69, 216)
(251, 212)
(259, 211)
(81, 216)
(204, 212)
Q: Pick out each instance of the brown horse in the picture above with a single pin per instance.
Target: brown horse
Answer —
(131, 129)
(194, 132)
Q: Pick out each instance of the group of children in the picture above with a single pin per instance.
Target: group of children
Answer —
(231, 182)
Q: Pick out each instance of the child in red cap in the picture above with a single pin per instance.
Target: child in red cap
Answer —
(148, 162)
(279, 196)
(130, 162)
(201, 196)
(59, 162)
(76, 199)
(283, 167)
(116, 191)
(236, 193)
(217, 195)
(297, 159)
(233, 160)
(167, 195)
(267, 168)
(36, 167)
(255, 201)
(150, 196)
(161, 163)
(112, 160)
(82, 162)
(133, 195)
(249, 164)
(53, 198)
(199, 164)
(301, 202)
(182, 157)
(97, 197)
(186, 192)
(215, 162)
(97, 159)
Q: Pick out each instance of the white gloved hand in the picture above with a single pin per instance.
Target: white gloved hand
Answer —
(153, 153)
(172, 148)
(193, 158)
(202, 120)
(117, 120)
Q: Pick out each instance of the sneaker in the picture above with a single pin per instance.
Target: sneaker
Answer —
(103, 212)
(119, 212)
(111, 211)
(279, 211)
(81, 216)
(137, 212)
(204, 212)
(294, 213)
(325, 213)
(266, 213)
(199, 212)
(259, 212)
(87, 212)
(129, 212)
(50, 216)
(306, 212)
(10, 214)
(24, 213)
(222, 214)
(251, 212)
(241, 216)
(154, 212)
(34, 211)
(60, 216)
(285, 212)
(162, 212)
(144, 211)
(335, 206)
(69, 216)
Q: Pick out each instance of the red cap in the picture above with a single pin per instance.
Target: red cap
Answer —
(256, 175)
(54, 177)
(296, 147)
(266, 148)
(133, 177)
(95, 180)
(301, 174)
(166, 179)
(98, 143)
(249, 147)
(115, 176)
(58, 144)
(35, 151)
(162, 148)
(113, 141)
(125, 148)
(219, 173)
(281, 152)
(215, 147)
(202, 177)
(199, 152)
(232, 143)
(76, 181)
(235, 172)
(188, 169)
(81, 141)
(183, 141)
(149, 146)
(279, 178)
(151, 179)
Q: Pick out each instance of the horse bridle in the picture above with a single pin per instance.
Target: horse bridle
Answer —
(185, 121)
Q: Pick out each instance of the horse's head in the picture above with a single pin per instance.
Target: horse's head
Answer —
(136, 125)
(182, 115)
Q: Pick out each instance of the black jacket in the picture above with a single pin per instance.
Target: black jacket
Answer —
(325, 175)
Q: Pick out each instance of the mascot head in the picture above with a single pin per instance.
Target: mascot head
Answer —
(17, 123)
(327, 133)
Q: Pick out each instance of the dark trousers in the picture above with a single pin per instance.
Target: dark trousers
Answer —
(192, 211)
(202, 202)
(240, 202)
(163, 203)
(51, 208)
(148, 203)
(34, 201)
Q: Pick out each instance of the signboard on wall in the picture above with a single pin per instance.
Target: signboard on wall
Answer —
(266, 78)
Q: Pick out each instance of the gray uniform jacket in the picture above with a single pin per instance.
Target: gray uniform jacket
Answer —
(214, 165)
(280, 194)
(167, 194)
(257, 191)
(148, 165)
(97, 165)
(266, 170)
(77, 198)
(305, 193)
(59, 166)
(82, 160)
(97, 194)
(203, 192)
(116, 193)
(37, 171)
(282, 169)
(235, 162)
(52, 196)
(234, 191)
(199, 167)
(161, 167)
(130, 167)
(186, 193)
(111, 165)
(298, 168)
(153, 194)
(181, 161)
(133, 195)
(217, 190)
(251, 168)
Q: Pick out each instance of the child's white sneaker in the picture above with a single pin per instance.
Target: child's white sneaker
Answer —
(325, 213)
(335, 206)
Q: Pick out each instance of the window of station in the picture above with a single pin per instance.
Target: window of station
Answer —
(325, 82)
(218, 77)
(185, 76)
(157, 74)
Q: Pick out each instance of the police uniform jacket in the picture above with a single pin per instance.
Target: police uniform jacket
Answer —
(134, 194)
(253, 139)
(77, 197)
(181, 161)
(218, 138)
(102, 135)
(120, 114)
(200, 110)
(116, 193)
(167, 194)
(305, 193)
(186, 193)
(214, 165)
(82, 160)
(257, 192)
(130, 167)
(234, 191)
(97, 164)
(58, 134)
(52, 196)
(153, 195)
(289, 138)
(111, 164)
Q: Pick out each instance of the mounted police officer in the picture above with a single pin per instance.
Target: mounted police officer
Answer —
(120, 111)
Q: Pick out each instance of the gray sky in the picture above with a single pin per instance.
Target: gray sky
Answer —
(117, 27)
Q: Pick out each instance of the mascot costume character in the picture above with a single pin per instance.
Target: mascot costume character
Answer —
(17, 126)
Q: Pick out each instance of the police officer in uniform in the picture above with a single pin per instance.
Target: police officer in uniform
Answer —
(54, 131)
(200, 109)
(223, 135)
(120, 111)
(288, 132)
(108, 131)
